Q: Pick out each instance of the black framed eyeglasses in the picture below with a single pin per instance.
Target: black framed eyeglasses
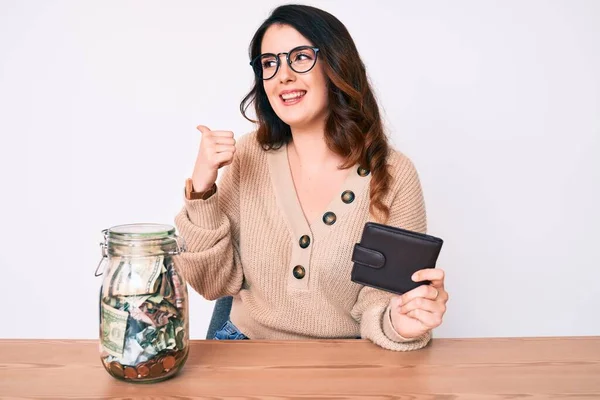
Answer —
(301, 59)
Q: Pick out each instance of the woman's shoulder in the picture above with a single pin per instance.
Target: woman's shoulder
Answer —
(247, 147)
(405, 178)
(247, 141)
(401, 166)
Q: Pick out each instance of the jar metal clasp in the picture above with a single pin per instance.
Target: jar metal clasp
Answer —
(181, 247)
(104, 247)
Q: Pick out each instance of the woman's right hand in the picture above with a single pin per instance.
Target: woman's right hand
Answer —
(216, 150)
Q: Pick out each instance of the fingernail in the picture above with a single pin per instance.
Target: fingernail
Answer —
(414, 277)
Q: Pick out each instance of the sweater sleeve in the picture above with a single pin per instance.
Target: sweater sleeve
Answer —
(210, 229)
(371, 309)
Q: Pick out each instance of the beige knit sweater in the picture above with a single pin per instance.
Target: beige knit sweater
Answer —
(244, 241)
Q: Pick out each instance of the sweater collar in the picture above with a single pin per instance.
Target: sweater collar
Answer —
(353, 188)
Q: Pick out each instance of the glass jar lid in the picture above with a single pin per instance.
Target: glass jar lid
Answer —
(143, 231)
(140, 240)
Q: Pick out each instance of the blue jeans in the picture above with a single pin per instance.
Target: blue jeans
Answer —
(229, 332)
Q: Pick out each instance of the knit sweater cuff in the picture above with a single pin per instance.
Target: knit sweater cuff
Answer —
(205, 214)
(372, 328)
(388, 327)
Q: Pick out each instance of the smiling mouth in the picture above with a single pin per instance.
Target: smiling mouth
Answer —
(293, 96)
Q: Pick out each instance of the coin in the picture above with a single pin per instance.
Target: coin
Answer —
(168, 362)
(156, 370)
(143, 370)
(130, 373)
(116, 369)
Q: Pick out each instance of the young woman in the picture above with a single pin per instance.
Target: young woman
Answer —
(279, 231)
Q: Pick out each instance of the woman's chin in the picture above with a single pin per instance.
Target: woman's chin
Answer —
(300, 122)
(301, 119)
(295, 122)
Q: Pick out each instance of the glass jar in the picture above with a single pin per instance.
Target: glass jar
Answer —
(144, 326)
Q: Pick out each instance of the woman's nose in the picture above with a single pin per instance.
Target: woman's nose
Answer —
(285, 72)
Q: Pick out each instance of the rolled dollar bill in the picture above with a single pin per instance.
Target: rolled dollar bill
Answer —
(135, 301)
(113, 330)
(137, 276)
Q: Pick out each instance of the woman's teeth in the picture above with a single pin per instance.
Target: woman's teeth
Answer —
(292, 95)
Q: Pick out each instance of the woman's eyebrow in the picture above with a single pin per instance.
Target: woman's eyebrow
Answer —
(285, 51)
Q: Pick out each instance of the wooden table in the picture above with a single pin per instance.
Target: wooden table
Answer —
(475, 369)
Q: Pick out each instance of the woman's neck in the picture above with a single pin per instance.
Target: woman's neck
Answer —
(311, 151)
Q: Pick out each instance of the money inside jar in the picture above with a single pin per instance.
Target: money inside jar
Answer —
(143, 317)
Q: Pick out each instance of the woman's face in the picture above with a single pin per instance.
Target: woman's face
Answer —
(299, 99)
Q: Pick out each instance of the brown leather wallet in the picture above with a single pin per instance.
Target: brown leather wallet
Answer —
(387, 257)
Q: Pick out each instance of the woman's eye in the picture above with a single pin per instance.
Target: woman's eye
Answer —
(268, 64)
(302, 57)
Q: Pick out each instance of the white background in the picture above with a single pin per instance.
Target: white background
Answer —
(497, 103)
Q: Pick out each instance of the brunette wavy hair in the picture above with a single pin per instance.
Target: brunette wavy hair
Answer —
(353, 128)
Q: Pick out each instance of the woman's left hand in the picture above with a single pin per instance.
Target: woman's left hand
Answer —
(421, 309)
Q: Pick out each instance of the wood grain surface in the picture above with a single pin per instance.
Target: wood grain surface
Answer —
(474, 369)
